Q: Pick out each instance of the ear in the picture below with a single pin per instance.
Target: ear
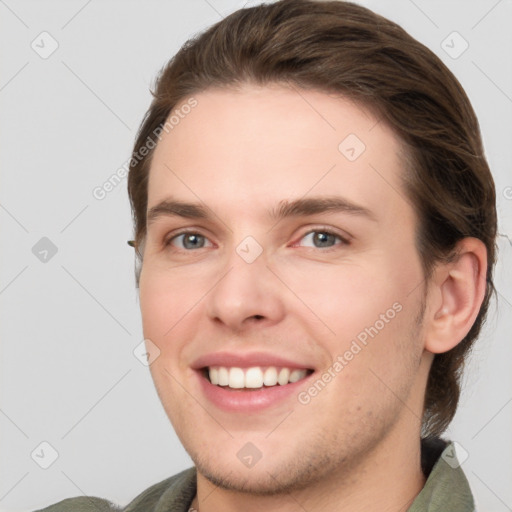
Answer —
(456, 292)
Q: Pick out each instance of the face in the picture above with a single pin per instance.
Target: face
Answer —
(281, 285)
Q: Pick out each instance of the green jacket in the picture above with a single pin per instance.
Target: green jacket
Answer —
(446, 489)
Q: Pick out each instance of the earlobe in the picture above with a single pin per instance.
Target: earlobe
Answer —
(459, 290)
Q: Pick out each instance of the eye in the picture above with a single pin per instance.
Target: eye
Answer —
(322, 239)
(318, 239)
(188, 241)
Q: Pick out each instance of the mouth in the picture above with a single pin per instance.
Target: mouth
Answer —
(251, 382)
(253, 378)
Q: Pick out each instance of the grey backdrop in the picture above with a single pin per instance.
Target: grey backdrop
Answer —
(73, 89)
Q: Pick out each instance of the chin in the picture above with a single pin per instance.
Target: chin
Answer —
(269, 476)
(262, 482)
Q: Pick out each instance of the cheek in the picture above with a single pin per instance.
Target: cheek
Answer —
(346, 298)
(163, 302)
(166, 306)
(364, 314)
(153, 305)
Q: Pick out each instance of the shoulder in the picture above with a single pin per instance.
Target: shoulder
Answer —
(179, 489)
(81, 504)
(446, 487)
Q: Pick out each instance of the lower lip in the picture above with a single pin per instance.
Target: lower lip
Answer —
(243, 400)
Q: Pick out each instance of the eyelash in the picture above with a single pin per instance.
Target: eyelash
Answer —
(327, 231)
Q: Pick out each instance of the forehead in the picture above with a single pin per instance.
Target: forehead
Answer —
(257, 146)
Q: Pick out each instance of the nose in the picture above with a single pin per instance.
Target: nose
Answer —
(248, 294)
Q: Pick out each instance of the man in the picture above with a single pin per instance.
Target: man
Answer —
(315, 222)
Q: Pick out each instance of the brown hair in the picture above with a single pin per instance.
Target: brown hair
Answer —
(337, 46)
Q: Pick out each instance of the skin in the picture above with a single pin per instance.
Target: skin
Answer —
(356, 444)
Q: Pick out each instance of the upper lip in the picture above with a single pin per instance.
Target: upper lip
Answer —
(246, 360)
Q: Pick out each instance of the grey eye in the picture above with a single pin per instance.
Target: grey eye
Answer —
(189, 241)
(320, 239)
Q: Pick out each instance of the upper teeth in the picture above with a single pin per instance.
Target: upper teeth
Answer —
(254, 377)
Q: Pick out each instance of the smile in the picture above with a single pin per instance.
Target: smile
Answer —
(255, 377)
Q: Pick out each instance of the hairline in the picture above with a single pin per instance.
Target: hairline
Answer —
(404, 153)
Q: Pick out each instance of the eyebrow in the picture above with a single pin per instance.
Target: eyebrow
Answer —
(285, 209)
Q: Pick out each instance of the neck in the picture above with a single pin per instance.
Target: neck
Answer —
(388, 479)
